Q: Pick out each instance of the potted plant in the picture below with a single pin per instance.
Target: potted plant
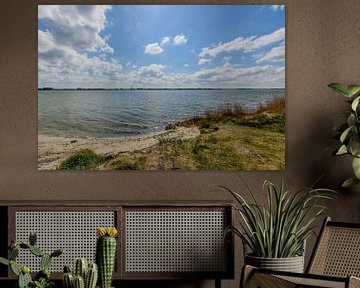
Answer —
(84, 274)
(276, 233)
(42, 278)
(349, 132)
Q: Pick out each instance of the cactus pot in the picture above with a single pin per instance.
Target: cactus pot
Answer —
(291, 264)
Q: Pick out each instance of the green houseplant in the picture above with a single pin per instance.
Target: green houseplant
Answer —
(42, 278)
(106, 254)
(349, 131)
(275, 233)
(84, 274)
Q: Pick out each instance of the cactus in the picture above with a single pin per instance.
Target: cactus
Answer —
(87, 272)
(32, 238)
(14, 268)
(24, 278)
(68, 280)
(80, 267)
(13, 253)
(43, 274)
(105, 254)
(79, 282)
(4, 261)
(91, 276)
(45, 261)
(36, 251)
(57, 253)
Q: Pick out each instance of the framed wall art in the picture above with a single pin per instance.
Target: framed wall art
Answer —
(161, 87)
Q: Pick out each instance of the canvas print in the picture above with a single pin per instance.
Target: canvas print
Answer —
(161, 87)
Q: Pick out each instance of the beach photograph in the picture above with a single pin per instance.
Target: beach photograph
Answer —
(161, 87)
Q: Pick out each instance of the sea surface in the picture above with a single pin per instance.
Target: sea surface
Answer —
(115, 113)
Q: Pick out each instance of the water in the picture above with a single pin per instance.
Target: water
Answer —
(114, 113)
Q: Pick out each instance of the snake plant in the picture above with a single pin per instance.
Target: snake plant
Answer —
(349, 132)
(279, 228)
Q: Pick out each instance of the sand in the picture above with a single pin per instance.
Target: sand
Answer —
(53, 150)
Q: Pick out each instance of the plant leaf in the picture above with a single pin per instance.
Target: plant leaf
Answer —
(340, 88)
(356, 167)
(355, 103)
(342, 150)
(349, 182)
(345, 134)
(353, 89)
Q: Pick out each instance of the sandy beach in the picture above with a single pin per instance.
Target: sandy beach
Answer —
(53, 150)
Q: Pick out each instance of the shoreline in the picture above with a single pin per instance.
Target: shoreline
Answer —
(53, 150)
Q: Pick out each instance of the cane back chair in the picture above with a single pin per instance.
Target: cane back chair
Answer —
(335, 262)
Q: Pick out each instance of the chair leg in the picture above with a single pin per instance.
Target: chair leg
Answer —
(217, 283)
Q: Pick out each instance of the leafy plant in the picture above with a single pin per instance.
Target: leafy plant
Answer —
(349, 132)
(279, 229)
(42, 278)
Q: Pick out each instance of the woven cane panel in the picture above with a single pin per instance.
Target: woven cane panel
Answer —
(74, 231)
(175, 241)
(308, 282)
(339, 253)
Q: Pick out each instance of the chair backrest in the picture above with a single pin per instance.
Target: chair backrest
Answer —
(337, 251)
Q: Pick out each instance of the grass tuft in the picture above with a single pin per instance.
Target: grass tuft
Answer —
(85, 159)
(275, 105)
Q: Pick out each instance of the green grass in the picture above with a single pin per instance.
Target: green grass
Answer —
(274, 123)
(85, 159)
(222, 145)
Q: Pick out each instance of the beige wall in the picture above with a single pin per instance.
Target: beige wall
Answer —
(322, 46)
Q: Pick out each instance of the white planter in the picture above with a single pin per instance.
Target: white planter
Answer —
(291, 264)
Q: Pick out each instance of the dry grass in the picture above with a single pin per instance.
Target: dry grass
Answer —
(275, 106)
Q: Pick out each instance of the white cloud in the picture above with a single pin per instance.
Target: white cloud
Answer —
(152, 71)
(180, 39)
(245, 44)
(165, 40)
(77, 26)
(228, 75)
(277, 7)
(153, 48)
(203, 61)
(62, 66)
(276, 54)
(186, 65)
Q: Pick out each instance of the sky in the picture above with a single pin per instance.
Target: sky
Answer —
(161, 46)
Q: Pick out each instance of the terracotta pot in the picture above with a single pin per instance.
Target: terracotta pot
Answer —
(291, 264)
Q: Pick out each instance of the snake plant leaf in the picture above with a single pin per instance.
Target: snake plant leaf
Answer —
(340, 88)
(355, 103)
(349, 182)
(356, 167)
(345, 134)
(353, 89)
(342, 150)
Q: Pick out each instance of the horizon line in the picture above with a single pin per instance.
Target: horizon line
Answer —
(160, 88)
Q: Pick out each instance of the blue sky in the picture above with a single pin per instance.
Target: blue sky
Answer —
(169, 46)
